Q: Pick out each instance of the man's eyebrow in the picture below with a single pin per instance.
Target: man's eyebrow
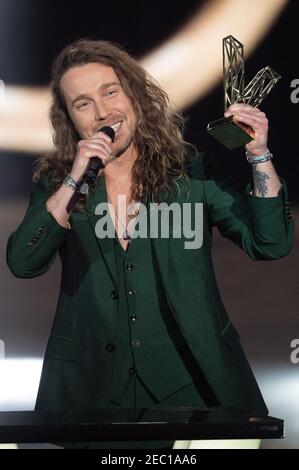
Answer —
(102, 87)
(106, 85)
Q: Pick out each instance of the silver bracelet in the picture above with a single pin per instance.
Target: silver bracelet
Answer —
(71, 183)
(259, 159)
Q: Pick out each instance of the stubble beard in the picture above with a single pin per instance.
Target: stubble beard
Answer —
(129, 141)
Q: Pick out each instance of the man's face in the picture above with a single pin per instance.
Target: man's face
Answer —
(94, 98)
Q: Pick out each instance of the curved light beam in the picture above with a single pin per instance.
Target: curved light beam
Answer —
(186, 66)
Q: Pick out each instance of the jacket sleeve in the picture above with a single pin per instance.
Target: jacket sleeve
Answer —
(32, 248)
(261, 226)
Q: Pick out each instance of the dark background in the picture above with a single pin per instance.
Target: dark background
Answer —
(38, 30)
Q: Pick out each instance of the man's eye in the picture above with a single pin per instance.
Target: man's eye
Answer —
(83, 104)
(111, 92)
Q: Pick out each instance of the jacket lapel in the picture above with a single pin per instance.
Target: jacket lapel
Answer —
(98, 195)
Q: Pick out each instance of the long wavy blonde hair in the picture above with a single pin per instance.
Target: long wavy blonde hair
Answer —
(158, 138)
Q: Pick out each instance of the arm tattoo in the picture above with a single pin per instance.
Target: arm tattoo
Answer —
(259, 180)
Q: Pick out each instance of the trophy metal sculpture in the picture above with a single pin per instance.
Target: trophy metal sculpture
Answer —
(228, 131)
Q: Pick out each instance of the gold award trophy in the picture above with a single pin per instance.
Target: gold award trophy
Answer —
(228, 131)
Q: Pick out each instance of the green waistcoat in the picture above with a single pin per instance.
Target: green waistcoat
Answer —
(142, 338)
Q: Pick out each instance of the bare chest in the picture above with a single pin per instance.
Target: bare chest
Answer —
(122, 213)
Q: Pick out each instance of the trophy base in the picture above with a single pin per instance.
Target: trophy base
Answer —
(230, 132)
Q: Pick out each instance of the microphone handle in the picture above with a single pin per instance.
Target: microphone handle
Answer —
(94, 167)
(95, 164)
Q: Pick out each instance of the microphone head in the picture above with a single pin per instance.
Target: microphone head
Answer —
(108, 131)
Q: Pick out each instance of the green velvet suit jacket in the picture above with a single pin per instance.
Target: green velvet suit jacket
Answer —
(77, 367)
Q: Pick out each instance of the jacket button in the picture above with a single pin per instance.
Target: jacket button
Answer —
(110, 347)
(132, 370)
(131, 291)
(133, 317)
(114, 294)
(130, 267)
(135, 343)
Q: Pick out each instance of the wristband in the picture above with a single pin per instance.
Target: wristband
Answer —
(259, 159)
(71, 183)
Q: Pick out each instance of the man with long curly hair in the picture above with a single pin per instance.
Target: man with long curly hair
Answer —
(140, 322)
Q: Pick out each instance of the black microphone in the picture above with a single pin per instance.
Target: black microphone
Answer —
(95, 164)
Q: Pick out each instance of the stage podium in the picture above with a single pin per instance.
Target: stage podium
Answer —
(145, 424)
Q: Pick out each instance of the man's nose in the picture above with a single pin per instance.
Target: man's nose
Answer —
(101, 112)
